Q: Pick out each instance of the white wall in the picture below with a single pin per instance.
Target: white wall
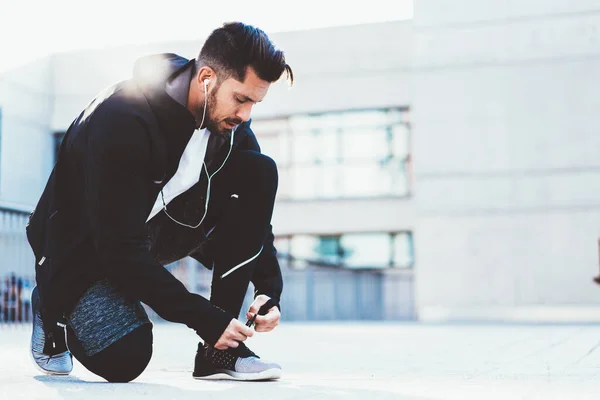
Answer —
(26, 155)
(506, 139)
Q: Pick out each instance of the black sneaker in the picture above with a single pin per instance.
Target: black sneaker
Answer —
(240, 364)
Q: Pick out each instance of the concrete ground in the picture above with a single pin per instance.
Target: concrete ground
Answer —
(347, 361)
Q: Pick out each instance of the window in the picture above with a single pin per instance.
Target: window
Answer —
(339, 155)
(350, 250)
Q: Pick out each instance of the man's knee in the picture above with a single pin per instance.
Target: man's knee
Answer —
(127, 358)
(129, 367)
(258, 166)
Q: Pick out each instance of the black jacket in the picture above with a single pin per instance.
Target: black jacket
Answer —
(90, 222)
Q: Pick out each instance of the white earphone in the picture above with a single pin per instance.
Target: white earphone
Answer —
(206, 81)
(209, 176)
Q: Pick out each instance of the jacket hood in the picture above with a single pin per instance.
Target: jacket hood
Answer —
(152, 72)
(176, 123)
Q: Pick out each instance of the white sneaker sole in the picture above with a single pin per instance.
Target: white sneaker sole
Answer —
(47, 371)
(223, 374)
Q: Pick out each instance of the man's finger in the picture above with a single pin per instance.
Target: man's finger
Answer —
(246, 330)
(260, 328)
(263, 320)
(272, 323)
(239, 337)
(255, 307)
(266, 328)
(270, 317)
(225, 344)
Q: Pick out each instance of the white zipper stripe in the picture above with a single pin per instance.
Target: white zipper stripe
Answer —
(241, 264)
(210, 231)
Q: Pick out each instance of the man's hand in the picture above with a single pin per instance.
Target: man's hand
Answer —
(263, 323)
(235, 333)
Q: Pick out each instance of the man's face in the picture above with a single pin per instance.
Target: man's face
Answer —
(230, 101)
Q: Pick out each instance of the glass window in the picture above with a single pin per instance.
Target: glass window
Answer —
(328, 249)
(366, 250)
(328, 147)
(283, 246)
(351, 250)
(397, 116)
(285, 183)
(302, 250)
(271, 146)
(307, 249)
(329, 182)
(399, 176)
(361, 180)
(400, 140)
(302, 123)
(273, 138)
(364, 144)
(370, 118)
(403, 250)
(339, 154)
(304, 148)
(305, 182)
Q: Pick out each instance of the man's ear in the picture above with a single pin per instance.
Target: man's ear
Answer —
(206, 73)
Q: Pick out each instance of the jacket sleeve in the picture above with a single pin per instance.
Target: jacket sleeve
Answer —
(267, 277)
(117, 200)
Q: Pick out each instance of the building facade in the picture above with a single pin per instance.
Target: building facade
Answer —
(435, 169)
(505, 139)
(341, 139)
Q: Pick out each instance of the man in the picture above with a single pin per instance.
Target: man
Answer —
(157, 168)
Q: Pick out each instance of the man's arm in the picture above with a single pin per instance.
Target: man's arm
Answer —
(117, 192)
(267, 277)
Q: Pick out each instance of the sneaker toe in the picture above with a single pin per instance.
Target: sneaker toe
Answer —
(59, 364)
(254, 365)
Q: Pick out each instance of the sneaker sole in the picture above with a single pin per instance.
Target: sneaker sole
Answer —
(221, 374)
(45, 371)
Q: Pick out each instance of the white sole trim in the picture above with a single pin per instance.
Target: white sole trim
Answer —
(45, 371)
(222, 374)
(242, 264)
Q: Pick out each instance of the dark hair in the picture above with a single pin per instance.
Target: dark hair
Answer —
(230, 49)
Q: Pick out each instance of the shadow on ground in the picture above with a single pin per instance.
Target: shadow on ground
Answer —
(71, 387)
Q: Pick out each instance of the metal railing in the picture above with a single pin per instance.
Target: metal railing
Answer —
(312, 293)
(17, 271)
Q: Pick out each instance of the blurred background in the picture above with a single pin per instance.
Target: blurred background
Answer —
(437, 158)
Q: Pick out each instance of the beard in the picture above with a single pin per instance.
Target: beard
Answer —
(211, 123)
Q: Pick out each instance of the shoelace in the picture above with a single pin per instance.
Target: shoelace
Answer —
(220, 358)
(226, 358)
(262, 311)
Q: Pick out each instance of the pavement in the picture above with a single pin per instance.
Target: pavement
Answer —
(403, 361)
